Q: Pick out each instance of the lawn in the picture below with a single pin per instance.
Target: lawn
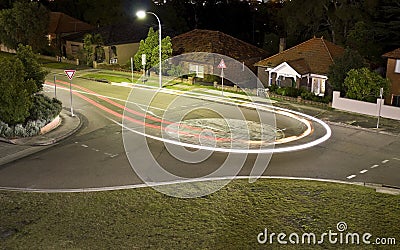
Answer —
(111, 77)
(228, 219)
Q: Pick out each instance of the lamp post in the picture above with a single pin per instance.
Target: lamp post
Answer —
(142, 14)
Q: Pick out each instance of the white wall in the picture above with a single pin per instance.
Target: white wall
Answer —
(365, 108)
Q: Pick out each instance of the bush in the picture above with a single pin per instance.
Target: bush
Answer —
(44, 110)
(289, 91)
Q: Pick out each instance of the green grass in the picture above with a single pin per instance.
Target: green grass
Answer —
(110, 77)
(6, 55)
(228, 219)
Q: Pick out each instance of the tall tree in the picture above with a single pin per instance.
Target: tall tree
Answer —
(338, 71)
(16, 94)
(150, 47)
(25, 23)
(32, 68)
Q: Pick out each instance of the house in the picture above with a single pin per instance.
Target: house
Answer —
(120, 42)
(393, 73)
(305, 65)
(60, 25)
(210, 41)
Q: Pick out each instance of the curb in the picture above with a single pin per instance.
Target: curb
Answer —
(39, 146)
(379, 188)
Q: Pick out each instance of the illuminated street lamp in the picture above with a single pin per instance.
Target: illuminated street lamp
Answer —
(142, 14)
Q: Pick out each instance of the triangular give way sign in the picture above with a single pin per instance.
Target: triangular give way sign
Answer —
(70, 73)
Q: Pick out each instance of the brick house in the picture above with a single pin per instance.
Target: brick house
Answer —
(61, 25)
(217, 42)
(305, 65)
(393, 73)
(120, 42)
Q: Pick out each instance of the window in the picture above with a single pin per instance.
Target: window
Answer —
(397, 67)
(318, 86)
(74, 49)
(197, 69)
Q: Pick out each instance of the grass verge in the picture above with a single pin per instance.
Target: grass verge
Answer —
(228, 219)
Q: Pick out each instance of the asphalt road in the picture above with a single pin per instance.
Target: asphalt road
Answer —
(96, 156)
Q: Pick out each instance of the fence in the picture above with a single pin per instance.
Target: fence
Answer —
(365, 108)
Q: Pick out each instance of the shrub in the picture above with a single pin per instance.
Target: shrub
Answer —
(44, 108)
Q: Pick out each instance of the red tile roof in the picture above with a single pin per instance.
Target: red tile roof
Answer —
(62, 23)
(393, 54)
(312, 56)
(217, 42)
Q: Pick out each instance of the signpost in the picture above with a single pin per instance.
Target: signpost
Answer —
(55, 86)
(144, 66)
(222, 66)
(380, 107)
(131, 69)
(70, 74)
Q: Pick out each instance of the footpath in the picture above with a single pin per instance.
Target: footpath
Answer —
(11, 150)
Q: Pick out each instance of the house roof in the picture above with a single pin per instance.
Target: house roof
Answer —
(62, 23)
(115, 34)
(393, 54)
(210, 41)
(312, 56)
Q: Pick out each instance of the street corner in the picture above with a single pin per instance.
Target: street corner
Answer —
(63, 126)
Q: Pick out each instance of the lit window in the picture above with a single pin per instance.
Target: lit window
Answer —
(397, 67)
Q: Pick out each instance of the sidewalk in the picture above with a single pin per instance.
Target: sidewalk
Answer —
(11, 150)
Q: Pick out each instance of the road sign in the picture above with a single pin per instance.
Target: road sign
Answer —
(143, 59)
(70, 73)
(222, 65)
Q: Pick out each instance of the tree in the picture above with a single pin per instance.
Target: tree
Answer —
(32, 68)
(92, 48)
(338, 70)
(26, 23)
(17, 94)
(364, 85)
(363, 39)
(149, 46)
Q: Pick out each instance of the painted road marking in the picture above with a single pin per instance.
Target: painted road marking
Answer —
(397, 159)
(363, 171)
(385, 161)
(374, 166)
(85, 146)
(351, 176)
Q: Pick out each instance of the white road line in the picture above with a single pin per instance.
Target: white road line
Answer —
(112, 156)
(374, 166)
(351, 176)
(95, 150)
(85, 146)
(385, 161)
(397, 159)
(363, 171)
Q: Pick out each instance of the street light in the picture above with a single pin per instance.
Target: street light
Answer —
(142, 14)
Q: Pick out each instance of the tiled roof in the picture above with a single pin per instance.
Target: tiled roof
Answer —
(393, 54)
(217, 42)
(312, 56)
(62, 23)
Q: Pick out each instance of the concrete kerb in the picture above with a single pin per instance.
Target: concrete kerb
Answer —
(38, 143)
(378, 187)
